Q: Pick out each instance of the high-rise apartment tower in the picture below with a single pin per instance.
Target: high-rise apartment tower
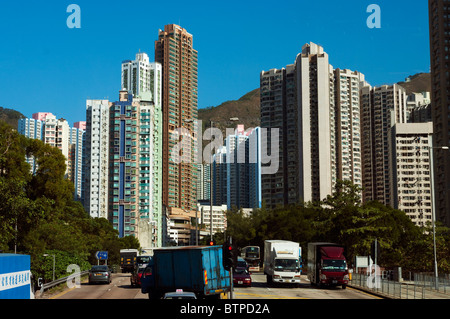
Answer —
(439, 19)
(174, 50)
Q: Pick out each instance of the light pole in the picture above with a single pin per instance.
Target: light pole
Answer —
(433, 211)
(211, 125)
(232, 119)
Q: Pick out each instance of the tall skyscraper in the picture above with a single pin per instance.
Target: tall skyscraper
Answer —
(143, 79)
(57, 133)
(439, 21)
(96, 158)
(203, 183)
(134, 168)
(410, 168)
(219, 177)
(381, 107)
(31, 128)
(174, 50)
(141, 75)
(279, 110)
(315, 98)
(317, 110)
(237, 170)
(75, 162)
(347, 143)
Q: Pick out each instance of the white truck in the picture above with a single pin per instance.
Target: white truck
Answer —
(282, 261)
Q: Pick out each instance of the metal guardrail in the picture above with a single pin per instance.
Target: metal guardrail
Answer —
(61, 281)
(398, 290)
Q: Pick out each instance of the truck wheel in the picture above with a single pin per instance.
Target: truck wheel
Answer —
(344, 286)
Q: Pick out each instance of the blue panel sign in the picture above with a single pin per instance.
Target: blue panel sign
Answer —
(101, 255)
(15, 276)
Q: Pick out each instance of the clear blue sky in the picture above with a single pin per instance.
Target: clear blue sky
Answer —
(47, 67)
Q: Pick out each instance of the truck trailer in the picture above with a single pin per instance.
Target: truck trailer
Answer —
(282, 262)
(197, 269)
(128, 259)
(327, 265)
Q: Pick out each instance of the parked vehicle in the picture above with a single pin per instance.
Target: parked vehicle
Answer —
(327, 265)
(282, 261)
(100, 274)
(198, 269)
(128, 259)
(241, 277)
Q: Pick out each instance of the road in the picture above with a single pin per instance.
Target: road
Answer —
(260, 290)
(120, 288)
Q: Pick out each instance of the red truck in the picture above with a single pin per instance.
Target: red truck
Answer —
(327, 265)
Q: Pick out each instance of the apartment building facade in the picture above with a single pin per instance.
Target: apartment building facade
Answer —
(347, 143)
(96, 158)
(55, 132)
(278, 109)
(175, 52)
(317, 109)
(439, 28)
(410, 169)
(381, 107)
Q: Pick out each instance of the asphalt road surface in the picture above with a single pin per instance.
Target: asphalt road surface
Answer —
(120, 288)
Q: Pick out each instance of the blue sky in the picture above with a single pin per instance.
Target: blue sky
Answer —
(47, 67)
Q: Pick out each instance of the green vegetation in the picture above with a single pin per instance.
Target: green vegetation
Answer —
(341, 218)
(10, 116)
(39, 216)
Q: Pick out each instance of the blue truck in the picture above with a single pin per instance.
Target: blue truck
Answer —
(197, 269)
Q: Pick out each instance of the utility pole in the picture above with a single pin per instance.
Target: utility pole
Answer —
(231, 275)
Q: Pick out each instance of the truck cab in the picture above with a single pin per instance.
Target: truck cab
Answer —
(282, 262)
(327, 265)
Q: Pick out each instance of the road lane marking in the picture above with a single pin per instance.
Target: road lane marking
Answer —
(62, 293)
(264, 295)
(365, 293)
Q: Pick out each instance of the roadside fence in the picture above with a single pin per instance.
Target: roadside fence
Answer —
(422, 287)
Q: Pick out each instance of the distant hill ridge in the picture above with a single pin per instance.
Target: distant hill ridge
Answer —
(246, 108)
(10, 116)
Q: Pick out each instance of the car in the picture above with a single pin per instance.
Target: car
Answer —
(241, 263)
(136, 275)
(241, 277)
(180, 294)
(100, 274)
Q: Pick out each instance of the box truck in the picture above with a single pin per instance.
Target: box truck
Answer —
(327, 265)
(282, 262)
(197, 269)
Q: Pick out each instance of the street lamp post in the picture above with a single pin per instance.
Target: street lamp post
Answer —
(211, 125)
(433, 210)
(232, 119)
(210, 190)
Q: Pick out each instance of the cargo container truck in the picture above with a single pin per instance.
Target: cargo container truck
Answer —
(197, 269)
(282, 262)
(128, 259)
(327, 265)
